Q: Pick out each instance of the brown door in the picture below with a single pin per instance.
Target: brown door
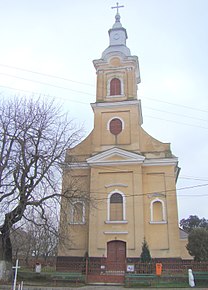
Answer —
(116, 256)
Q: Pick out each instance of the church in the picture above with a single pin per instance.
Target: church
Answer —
(121, 181)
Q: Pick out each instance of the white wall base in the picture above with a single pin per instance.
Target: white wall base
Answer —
(5, 270)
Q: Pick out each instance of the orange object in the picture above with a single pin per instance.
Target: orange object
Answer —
(158, 269)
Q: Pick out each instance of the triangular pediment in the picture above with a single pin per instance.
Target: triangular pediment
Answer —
(115, 156)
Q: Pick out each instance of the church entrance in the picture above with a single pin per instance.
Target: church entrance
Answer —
(112, 268)
(116, 257)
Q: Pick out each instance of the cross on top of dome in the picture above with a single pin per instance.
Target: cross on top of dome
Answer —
(117, 13)
(117, 7)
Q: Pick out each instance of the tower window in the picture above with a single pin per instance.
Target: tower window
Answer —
(115, 87)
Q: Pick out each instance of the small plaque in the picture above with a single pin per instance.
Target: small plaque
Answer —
(130, 268)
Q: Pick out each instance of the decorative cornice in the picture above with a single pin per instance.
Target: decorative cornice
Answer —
(116, 184)
(115, 104)
(129, 158)
(158, 223)
(116, 233)
(161, 161)
(116, 222)
(78, 165)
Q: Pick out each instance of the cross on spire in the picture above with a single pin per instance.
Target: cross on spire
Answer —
(117, 7)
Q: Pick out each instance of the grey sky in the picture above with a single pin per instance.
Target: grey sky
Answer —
(62, 37)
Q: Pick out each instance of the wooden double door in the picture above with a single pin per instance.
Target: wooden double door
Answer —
(116, 256)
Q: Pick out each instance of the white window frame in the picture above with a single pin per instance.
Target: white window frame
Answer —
(72, 212)
(152, 212)
(115, 117)
(124, 207)
(122, 86)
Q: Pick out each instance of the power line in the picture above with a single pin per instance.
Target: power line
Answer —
(176, 114)
(86, 103)
(193, 186)
(45, 95)
(78, 82)
(85, 93)
(26, 91)
(163, 192)
(193, 178)
(47, 75)
(48, 84)
(181, 123)
(174, 104)
(117, 169)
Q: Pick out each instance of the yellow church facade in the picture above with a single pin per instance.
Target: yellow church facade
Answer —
(121, 181)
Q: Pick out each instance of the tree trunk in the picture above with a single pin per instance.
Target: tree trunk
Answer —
(5, 246)
(5, 256)
(5, 271)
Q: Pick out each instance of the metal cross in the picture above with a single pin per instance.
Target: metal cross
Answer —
(117, 7)
(15, 275)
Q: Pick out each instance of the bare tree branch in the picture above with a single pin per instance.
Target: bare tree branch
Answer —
(34, 136)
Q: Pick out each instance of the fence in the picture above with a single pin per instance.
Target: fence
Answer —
(96, 270)
(171, 267)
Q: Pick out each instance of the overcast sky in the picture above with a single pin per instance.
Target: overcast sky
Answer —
(47, 48)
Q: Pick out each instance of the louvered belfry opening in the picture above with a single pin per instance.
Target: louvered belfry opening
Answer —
(115, 87)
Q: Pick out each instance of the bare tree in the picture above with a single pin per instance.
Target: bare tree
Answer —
(19, 240)
(44, 233)
(37, 239)
(34, 136)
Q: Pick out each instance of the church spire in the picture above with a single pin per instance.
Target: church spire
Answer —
(117, 17)
(117, 38)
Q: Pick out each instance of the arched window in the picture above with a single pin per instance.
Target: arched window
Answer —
(115, 87)
(157, 209)
(77, 215)
(116, 207)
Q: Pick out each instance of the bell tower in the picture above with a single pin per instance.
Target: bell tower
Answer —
(117, 110)
(117, 70)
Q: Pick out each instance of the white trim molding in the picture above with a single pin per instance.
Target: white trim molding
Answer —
(128, 158)
(120, 78)
(102, 159)
(161, 161)
(116, 104)
(71, 219)
(115, 233)
(116, 222)
(158, 223)
(116, 184)
(108, 206)
(152, 211)
(115, 117)
(78, 165)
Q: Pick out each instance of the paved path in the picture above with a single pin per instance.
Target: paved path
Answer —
(92, 287)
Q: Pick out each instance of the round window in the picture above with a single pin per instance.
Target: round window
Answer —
(115, 126)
